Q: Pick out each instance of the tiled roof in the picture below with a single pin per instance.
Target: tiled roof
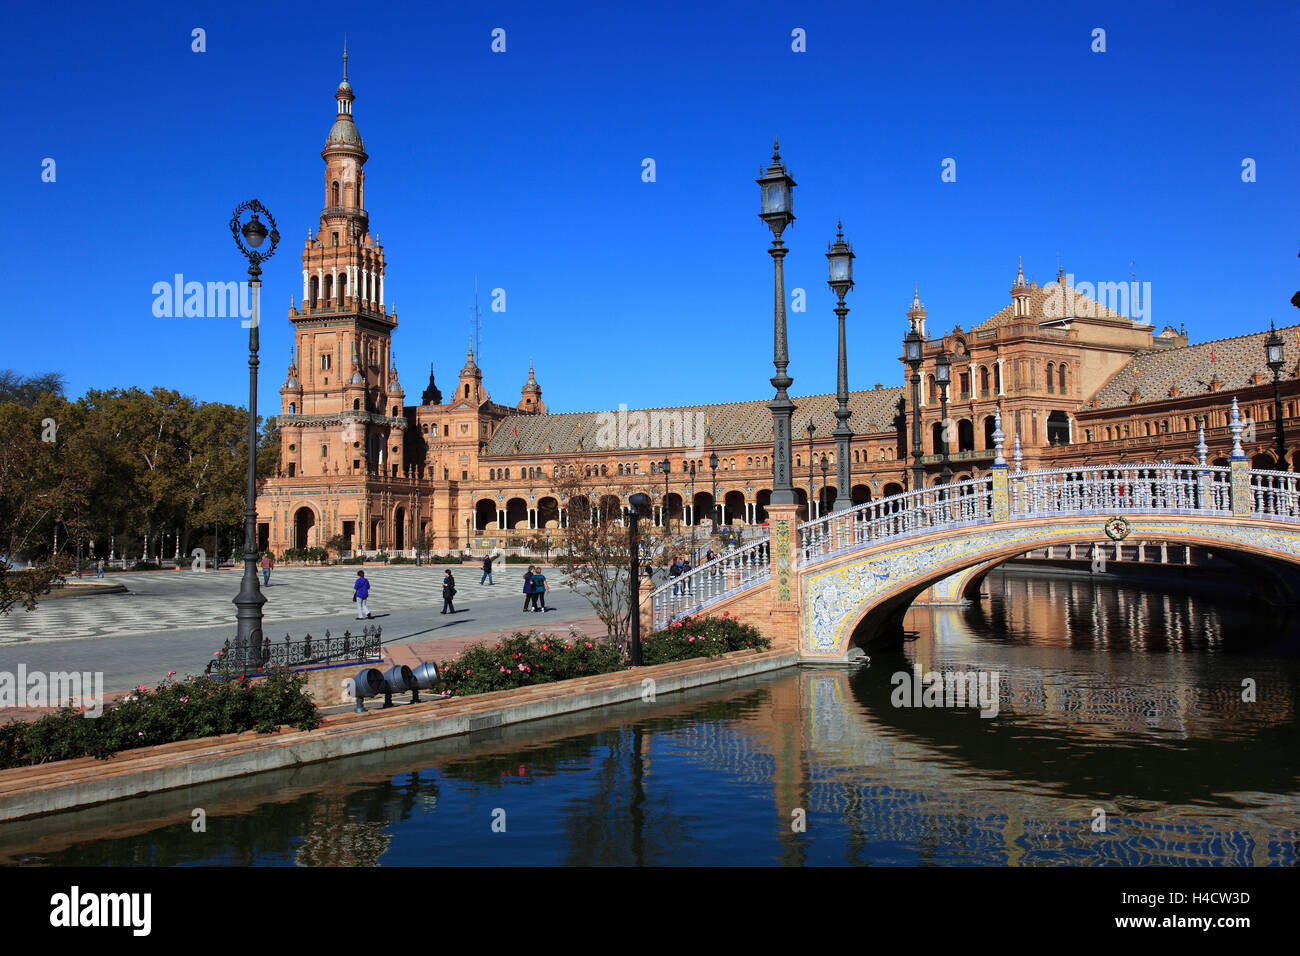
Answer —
(1188, 371)
(732, 423)
(1055, 300)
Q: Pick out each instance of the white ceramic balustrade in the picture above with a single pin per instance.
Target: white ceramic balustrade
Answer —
(726, 574)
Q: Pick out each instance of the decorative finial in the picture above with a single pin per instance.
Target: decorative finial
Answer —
(839, 228)
(776, 150)
(1202, 449)
(1235, 426)
(345, 57)
(1016, 456)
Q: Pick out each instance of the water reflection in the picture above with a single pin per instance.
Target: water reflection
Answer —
(1110, 699)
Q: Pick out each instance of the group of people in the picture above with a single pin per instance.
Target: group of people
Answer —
(535, 588)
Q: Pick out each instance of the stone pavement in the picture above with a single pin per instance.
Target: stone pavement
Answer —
(175, 620)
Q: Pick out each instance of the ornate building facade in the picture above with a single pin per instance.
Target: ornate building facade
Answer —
(1076, 382)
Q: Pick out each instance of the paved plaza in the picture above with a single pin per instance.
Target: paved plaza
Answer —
(174, 620)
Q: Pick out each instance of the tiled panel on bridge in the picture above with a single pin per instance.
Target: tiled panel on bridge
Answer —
(176, 600)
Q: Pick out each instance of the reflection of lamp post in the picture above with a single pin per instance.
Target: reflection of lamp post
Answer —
(777, 211)
(943, 375)
(912, 343)
(638, 502)
(249, 601)
(812, 489)
(840, 256)
(1273, 353)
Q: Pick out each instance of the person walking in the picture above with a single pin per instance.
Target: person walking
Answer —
(675, 572)
(448, 593)
(528, 587)
(99, 568)
(539, 591)
(268, 562)
(487, 570)
(685, 572)
(361, 591)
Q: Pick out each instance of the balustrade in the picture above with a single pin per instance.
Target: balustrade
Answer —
(725, 574)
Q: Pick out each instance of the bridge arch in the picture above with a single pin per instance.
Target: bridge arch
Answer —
(860, 599)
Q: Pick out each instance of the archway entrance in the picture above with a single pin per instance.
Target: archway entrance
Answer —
(303, 523)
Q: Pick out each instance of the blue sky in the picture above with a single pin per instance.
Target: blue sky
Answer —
(524, 169)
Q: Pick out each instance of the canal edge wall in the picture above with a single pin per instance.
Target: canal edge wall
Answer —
(48, 788)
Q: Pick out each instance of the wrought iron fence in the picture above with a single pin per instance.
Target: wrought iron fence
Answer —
(362, 648)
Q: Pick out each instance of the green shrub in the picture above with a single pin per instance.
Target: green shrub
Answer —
(526, 659)
(176, 710)
(701, 637)
(401, 559)
(354, 560)
(519, 559)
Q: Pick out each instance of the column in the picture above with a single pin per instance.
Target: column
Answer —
(532, 519)
(381, 291)
(1164, 552)
(304, 287)
(1002, 378)
(365, 279)
(787, 628)
(1069, 420)
(334, 290)
(974, 383)
(501, 519)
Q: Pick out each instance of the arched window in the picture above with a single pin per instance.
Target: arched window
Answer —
(507, 472)
(932, 386)
(1051, 378)
(329, 289)
(292, 408)
(397, 412)
(467, 390)
(984, 381)
(334, 188)
(315, 290)
(492, 474)
(1060, 377)
(356, 404)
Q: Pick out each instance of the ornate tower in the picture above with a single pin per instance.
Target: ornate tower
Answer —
(916, 314)
(1020, 290)
(530, 398)
(342, 422)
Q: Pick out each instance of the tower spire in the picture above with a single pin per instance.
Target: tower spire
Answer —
(345, 58)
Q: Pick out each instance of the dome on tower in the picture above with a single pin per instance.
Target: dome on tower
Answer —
(344, 133)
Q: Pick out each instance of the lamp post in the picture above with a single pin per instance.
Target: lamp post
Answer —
(825, 467)
(812, 489)
(777, 210)
(717, 514)
(666, 467)
(692, 513)
(419, 529)
(249, 600)
(912, 343)
(840, 256)
(638, 503)
(943, 375)
(1275, 360)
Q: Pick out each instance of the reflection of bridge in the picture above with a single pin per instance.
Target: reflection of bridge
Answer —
(848, 577)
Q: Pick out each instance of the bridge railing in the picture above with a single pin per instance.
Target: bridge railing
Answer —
(953, 505)
(1275, 494)
(728, 573)
(1177, 489)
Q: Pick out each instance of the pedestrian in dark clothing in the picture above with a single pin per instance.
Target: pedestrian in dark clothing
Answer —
(448, 593)
(528, 587)
(675, 572)
(539, 591)
(487, 570)
(686, 570)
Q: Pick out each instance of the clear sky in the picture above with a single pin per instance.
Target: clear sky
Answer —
(524, 168)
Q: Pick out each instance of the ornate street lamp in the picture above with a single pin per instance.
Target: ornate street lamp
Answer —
(666, 467)
(693, 515)
(639, 502)
(840, 256)
(717, 515)
(943, 375)
(825, 466)
(777, 210)
(1275, 361)
(812, 490)
(249, 601)
(912, 345)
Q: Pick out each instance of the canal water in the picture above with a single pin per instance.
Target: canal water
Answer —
(1131, 726)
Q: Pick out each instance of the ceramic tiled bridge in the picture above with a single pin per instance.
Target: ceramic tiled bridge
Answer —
(845, 580)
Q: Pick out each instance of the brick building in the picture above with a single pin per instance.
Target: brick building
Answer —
(1076, 382)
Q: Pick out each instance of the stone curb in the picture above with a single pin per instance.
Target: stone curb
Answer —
(63, 785)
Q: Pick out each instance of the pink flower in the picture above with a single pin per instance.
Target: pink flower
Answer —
(588, 644)
(139, 733)
(545, 648)
(690, 639)
(171, 673)
(726, 613)
(503, 670)
(218, 653)
(185, 700)
(143, 688)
